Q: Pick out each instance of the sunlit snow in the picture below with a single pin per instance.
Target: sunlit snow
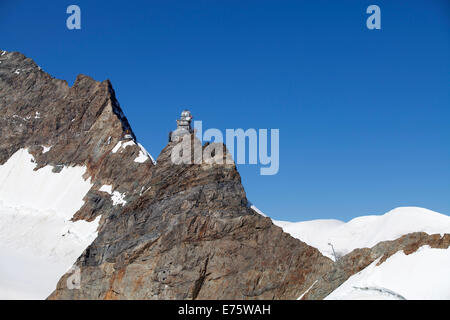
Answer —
(39, 242)
(423, 274)
(365, 231)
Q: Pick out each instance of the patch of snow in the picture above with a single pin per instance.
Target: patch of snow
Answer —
(43, 189)
(128, 143)
(117, 147)
(4, 52)
(37, 115)
(141, 158)
(38, 240)
(17, 71)
(423, 274)
(106, 188)
(366, 231)
(46, 149)
(315, 233)
(143, 155)
(120, 145)
(116, 196)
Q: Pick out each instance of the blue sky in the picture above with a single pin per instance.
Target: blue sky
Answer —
(363, 114)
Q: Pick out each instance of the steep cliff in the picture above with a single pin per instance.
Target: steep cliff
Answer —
(165, 230)
(181, 231)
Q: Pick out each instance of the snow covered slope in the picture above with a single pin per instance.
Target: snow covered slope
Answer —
(38, 242)
(366, 231)
(423, 274)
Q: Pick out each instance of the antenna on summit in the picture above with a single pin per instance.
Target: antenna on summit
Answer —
(334, 252)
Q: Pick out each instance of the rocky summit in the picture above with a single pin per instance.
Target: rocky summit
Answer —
(177, 231)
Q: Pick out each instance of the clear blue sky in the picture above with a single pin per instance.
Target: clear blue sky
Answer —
(364, 116)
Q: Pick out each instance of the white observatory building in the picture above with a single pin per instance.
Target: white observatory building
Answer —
(183, 126)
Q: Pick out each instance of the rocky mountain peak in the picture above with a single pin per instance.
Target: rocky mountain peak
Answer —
(78, 125)
(167, 230)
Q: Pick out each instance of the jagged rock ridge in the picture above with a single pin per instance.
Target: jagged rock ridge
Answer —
(184, 232)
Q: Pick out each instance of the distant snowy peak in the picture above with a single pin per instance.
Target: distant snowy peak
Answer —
(365, 231)
(420, 275)
(399, 261)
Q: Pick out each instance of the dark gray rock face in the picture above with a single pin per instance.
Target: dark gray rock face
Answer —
(185, 232)
(82, 123)
(359, 259)
(191, 235)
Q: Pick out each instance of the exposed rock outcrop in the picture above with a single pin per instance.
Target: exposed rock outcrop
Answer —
(185, 232)
(359, 259)
(182, 231)
(192, 235)
(82, 124)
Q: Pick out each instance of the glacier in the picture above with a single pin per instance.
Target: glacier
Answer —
(38, 240)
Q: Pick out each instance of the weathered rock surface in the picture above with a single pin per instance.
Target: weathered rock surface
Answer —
(81, 124)
(186, 231)
(359, 259)
(191, 235)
